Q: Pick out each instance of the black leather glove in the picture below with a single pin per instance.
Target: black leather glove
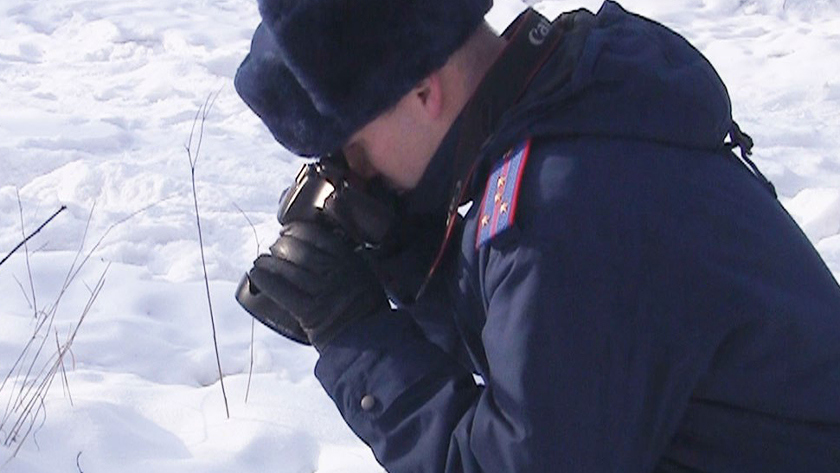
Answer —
(315, 275)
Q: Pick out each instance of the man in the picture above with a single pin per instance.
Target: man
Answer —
(630, 292)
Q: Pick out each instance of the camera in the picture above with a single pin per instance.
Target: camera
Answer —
(327, 192)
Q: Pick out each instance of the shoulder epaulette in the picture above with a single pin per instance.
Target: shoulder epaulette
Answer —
(498, 207)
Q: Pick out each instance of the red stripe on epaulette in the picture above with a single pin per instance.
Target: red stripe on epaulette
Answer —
(501, 195)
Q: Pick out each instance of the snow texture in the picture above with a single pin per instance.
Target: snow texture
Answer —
(97, 100)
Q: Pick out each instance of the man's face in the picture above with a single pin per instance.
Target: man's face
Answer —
(396, 146)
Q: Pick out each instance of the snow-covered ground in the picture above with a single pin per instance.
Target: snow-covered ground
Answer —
(97, 99)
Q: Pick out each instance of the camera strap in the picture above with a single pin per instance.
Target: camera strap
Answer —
(531, 40)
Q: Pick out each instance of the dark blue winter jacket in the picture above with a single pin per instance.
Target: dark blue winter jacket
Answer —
(652, 307)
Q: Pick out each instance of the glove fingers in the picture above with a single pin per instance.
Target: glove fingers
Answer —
(303, 253)
(283, 292)
(302, 278)
(319, 236)
(315, 274)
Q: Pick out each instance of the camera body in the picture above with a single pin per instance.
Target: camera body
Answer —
(326, 191)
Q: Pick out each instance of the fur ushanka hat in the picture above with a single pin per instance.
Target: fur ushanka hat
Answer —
(319, 70)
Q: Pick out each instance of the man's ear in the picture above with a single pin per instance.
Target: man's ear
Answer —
(430, 95)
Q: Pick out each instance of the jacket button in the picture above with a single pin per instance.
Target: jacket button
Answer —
(368, 402)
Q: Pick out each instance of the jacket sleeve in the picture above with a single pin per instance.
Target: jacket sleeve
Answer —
(588, 371)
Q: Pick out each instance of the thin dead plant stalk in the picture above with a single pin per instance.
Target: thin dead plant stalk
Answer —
(44, 324)
(37, 230)
(65, 385)
(31, 376)
(26, 413)
(253, 320)
(193, 155)
(26, 250)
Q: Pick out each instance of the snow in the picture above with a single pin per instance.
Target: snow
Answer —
(97, 100)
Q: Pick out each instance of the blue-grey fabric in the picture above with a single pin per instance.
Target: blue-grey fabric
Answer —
(653, 308)
(319, 70)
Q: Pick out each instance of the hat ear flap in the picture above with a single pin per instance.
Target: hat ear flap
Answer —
(270, 89)
(273, 12)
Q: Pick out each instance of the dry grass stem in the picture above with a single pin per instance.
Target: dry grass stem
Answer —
(29, 237)
(28, 382)
(31, 406)
(193, 155)
(253, 321)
